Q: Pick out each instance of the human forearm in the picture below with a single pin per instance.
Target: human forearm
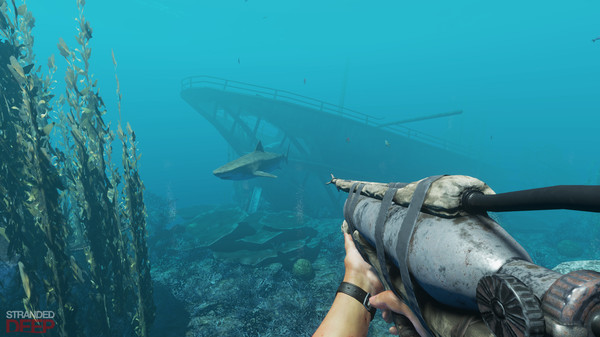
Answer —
(347, 316)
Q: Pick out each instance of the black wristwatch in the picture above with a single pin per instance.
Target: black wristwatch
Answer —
(359, 294)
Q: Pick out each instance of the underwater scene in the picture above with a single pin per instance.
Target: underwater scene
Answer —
(299, 168)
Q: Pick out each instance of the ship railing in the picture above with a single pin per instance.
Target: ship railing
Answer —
(313, 103)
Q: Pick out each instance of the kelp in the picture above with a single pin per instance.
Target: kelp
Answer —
(62, 199)
(94, 182)
(29, 182)
(135, 215)
(113, 224)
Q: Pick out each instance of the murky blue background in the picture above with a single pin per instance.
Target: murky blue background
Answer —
(526, 76)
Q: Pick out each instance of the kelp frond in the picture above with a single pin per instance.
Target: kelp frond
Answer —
(35, 225)
(58, 184)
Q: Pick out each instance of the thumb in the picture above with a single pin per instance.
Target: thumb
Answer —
(387, 300)
(348, 243)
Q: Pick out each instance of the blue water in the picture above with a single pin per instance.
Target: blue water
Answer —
(525, 74)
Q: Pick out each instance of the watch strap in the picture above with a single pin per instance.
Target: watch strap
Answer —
(359, 294)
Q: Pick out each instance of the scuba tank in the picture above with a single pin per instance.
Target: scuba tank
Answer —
(459, 271)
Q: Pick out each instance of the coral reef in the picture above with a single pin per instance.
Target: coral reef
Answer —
(303, 269)
(566, 267)
(255, 240)
(224, 297)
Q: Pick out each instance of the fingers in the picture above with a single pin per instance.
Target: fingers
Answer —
(394, 331)
(387, 300)
(348, 242)
(386, 315)
(356, 235)
(345, 227)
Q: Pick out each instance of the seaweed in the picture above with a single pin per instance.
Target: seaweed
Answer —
(94, 181)
(30, 182)
(60, 195)
(135, 212)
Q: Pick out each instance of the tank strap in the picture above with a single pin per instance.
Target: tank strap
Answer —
(351, 202)
(386, 203)
(403, 245)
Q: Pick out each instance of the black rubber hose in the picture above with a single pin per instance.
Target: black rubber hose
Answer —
(575, 197)
(595, 325)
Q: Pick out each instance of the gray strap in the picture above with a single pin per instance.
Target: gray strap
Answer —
(351, 202)
(380, 228)
(402, 248)
(404, 326)
(347, 206)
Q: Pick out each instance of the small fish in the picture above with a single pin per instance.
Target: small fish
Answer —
(238, 60)
(347, 139)
(387, 143)
(594, 40)
(305, 81)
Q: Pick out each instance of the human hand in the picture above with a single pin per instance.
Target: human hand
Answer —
(358, 271)
(387, 302)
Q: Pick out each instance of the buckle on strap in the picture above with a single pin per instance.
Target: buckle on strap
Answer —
(366, 302)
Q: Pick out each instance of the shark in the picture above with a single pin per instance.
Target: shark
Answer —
(255, 164)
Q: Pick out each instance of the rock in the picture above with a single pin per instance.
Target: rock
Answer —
(209, 227)
(254, 240)
(172, 317)
(303, 269)
(281, 221)
(188, 213)
(274, 268)
(248, 257)
(570, 266)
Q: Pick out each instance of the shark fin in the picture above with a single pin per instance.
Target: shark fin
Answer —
(259, 147)
(264, 174)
